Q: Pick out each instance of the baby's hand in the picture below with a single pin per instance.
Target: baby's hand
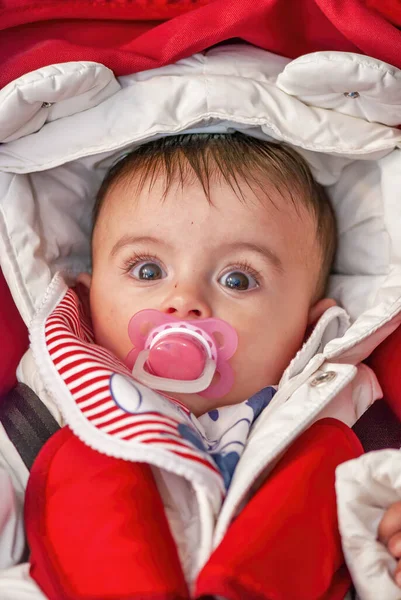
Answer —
(390, 535)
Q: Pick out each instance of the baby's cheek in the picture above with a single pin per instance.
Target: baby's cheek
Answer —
(251, 374)
(261, 361)
(111, 332)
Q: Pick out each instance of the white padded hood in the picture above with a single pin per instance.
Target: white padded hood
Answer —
(64, 125)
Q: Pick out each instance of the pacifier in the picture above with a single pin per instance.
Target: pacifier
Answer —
(172, 355)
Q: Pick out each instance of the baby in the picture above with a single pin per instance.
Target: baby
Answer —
(201, 226)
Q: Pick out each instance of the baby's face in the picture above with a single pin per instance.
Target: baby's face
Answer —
(254, 264)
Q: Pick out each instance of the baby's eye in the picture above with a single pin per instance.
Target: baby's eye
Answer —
(148, 271)
(236, 280)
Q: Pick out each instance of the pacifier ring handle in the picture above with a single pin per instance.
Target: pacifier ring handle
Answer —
(184, 332)
(181, 386)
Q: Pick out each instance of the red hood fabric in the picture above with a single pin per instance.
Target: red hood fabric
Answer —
(13, 338)
(134, 35)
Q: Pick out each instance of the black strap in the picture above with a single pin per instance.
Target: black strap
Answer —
(378, 428)
(27, 422)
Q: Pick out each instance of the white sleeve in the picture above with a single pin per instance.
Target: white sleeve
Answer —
(13, 480)
(365, 488)
(14, 475)
(16, 584)
(15, 581)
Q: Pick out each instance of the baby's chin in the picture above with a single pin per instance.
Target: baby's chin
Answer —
(240, 392)
(198, 405)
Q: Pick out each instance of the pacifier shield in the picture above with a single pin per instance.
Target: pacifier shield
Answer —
(179, 356)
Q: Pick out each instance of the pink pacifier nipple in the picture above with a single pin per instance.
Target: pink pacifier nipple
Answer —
(177, 357)
(182, 356)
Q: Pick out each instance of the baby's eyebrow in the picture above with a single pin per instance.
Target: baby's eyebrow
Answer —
(130, 240)
(265, 251)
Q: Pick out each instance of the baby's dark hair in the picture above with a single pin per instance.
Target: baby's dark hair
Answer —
(237, 159)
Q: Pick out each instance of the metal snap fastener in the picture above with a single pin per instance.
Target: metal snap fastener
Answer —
(323, 378)
(47, 104)
(352, 95)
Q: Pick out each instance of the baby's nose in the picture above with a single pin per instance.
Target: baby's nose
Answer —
(187, 304)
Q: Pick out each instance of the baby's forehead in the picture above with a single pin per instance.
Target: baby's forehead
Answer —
(187, 164)
(254, 192)
(245, 163)
(131, 196)
(224, 214)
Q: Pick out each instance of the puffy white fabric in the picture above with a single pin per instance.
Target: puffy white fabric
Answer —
(13, 480)
(65, 125)
(16, 584)
(318, 80)
(11, 525)
(50, 93)
(367, 486)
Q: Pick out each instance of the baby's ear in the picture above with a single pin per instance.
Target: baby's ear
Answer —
(82, 288)
(316, 311)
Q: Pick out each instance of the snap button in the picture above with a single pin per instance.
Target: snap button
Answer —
(47, 104)
(352, 95)
(323, 378)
